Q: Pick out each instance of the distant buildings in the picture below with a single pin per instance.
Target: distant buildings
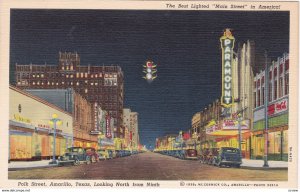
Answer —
(101, 84)
(130, 122)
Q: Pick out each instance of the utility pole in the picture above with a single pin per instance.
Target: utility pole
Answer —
(266, 111)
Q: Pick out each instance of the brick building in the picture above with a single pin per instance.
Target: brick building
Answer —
(101, 84)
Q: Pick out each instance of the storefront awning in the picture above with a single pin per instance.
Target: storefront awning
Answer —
(227, 127)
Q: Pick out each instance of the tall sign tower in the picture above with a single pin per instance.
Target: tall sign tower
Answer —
(227, 44)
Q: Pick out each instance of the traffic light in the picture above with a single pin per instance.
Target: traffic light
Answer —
(150, 71)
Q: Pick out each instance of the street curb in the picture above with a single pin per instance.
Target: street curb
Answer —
(27, 168)
(264, 168)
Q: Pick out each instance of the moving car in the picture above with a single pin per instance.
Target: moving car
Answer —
(228, 156)
(74, 155)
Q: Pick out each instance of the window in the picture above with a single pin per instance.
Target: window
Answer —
(281, 86)
(286, 86)
(263, 96)
(275, 89)
(254, 96)
(258, 98)
(270, 92)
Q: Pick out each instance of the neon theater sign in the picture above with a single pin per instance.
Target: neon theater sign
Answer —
(227, 44)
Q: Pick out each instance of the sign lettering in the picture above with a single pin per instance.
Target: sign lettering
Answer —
(227, 44)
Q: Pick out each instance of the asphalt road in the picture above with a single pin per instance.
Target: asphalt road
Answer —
(149, 166)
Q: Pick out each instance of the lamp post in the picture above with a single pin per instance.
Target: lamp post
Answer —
(54, 121)
(266, 110)
(239, 118)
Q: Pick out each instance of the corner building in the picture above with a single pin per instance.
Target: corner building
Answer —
(98, 84)
(278, 114)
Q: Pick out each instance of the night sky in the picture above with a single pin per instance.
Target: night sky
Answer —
(184, 45)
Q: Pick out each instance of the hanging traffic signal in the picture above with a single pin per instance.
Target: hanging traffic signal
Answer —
(150, 71)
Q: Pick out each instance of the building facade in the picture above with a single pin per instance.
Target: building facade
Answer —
(278, 100)
(130, 123)
(101, 84)
(30, 134)
(82, 113)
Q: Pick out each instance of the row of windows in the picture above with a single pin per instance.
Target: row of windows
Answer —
(77, 75)
(276, 90)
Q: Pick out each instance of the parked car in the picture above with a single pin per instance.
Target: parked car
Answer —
(213, 153)
(190, 154)
(228, 156)
(74, 155)
(204, 155)
(111, 153)
(103, 154)
(90, 151)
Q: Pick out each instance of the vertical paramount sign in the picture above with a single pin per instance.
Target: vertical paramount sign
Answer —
(227, 44)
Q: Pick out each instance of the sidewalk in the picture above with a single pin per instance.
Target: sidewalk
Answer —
(258, 164)
(16, 165)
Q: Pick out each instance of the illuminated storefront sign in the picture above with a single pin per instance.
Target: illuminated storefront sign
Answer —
(227, 44)
(233, 124)
(278, 107)
(21, 119)
(212, 129)
(108, 128)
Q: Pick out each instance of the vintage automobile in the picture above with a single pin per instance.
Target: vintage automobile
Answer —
(213, 153)
(111, 153)
(90, 151)
(103, 154)
(204, 155)
(190, 154)
(74, 155)
(228, 156)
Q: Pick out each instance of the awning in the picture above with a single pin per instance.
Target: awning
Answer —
(106, 142)
(227, 127)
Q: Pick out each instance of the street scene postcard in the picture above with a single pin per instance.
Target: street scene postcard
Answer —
(99, 95)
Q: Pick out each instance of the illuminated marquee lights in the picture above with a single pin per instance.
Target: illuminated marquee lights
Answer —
(227, 44)
(108, 129)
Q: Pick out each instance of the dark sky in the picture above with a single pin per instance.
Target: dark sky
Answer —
(184, 44)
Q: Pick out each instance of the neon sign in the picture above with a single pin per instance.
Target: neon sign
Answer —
(227, 44)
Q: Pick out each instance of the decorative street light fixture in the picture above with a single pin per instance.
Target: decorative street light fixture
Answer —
(54, 121)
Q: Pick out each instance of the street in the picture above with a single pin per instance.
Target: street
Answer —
(149, 166)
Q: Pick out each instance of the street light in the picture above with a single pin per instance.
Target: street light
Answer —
(266, 110)
(239, 118)
(54, 121)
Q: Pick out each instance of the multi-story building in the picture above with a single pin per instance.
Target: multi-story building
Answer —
(30, 134)
(82, 112)
(221, 129)
(130, 123)
(134, 129)
(101, 84)
(278, 102)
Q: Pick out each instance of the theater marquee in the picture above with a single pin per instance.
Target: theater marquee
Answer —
(227, 44)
